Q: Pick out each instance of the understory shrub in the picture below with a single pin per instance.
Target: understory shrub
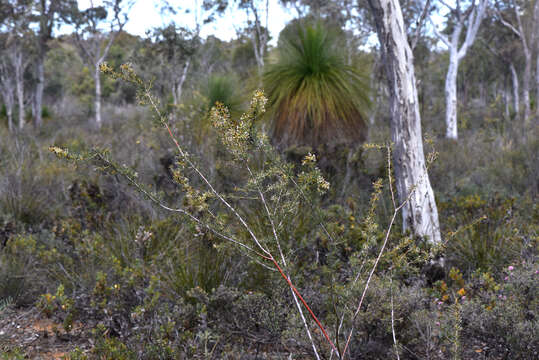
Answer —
(203, 272)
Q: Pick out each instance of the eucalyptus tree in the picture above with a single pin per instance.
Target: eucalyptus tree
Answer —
(260, 31)
(459, 18)
(522, 18)
(419, 211)
(47, 14)
(505, 46)
(174, 47)
(17, 44)
(96, 28)
(7, 84)
(258, 27)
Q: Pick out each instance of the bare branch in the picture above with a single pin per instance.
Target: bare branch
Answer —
(439, 35)
(446, 5)
(507, 24)
(475, 18)
(419, 24)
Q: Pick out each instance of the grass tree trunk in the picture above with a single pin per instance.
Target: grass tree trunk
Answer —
(97, 100)
(420, 214)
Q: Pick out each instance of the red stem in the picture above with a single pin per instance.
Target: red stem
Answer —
(280, 271)
(305, 304)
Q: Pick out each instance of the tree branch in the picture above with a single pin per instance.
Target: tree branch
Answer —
(419, 24)
(439, 35)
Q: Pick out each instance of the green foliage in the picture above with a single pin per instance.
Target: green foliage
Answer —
(498, 234)
(185, 279)
(223, 89)
(314, 96)
(14, 354)
(19, 270)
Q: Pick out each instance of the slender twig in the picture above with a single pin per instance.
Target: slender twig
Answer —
(267, 254)
(320, 326)
(419, 24)
(393, 319)
(380, 253)
(283, 259)
(204, 179)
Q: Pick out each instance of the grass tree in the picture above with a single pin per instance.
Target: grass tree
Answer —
(315, 98)
(219, 89)
(223, 89)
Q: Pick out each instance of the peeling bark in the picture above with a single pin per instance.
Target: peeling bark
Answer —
(420, 214)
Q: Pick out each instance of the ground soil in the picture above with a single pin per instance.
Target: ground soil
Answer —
(29, 334)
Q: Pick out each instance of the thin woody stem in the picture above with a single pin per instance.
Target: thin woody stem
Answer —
(320, 326)
(223, 200)
(283, 259)
(268, 255)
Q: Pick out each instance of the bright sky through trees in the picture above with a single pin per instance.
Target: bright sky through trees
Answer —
(145, 15)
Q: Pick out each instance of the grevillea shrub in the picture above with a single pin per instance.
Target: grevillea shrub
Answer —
(269, 265)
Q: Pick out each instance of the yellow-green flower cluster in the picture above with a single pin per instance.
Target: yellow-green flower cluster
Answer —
(235, 135)
(309, 159)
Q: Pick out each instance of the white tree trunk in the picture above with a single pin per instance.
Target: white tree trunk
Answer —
(179, 88)
(38, 99)
(19, 81)
(526, 44)
(536, 38)
(537, 81)
(260, 37)
(506, 99)
(451, 96)
(174, 96)
(526, 80)
(97, 100)
(6, 90)
(9, 113)
(516, 97)
(7, 95)
(473, 17)
(537, 78)
(420, 215)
